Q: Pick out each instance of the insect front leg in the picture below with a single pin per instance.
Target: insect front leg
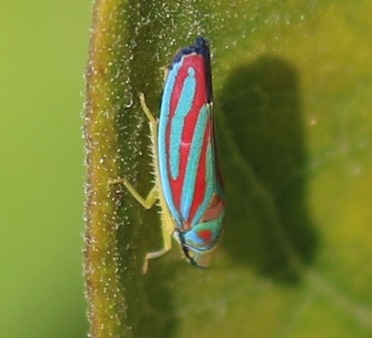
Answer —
(167, 245)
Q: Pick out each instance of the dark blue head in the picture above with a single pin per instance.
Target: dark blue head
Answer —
(200, 47)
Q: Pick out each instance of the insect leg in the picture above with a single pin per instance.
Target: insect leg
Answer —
(167, 245)
(147, 202)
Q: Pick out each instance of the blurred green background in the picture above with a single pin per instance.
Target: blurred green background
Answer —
(43, 55)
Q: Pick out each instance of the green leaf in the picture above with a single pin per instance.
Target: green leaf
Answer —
(292, 87)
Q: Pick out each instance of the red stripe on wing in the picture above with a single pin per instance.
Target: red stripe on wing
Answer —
(201, 178)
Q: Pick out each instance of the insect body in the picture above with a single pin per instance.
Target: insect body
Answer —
(188, 180)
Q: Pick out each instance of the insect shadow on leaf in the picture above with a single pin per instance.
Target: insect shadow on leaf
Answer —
(263, 147)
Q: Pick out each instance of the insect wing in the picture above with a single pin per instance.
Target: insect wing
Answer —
(187, 154)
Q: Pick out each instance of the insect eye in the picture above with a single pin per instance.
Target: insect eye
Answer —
(185, 248)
